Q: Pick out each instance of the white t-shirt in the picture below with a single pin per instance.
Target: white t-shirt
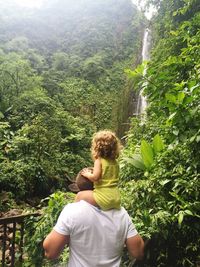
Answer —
(96, 237)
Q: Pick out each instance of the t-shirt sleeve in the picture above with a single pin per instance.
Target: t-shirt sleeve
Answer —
(64, 223)
(131, 229)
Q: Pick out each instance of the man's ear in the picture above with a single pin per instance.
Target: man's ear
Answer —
(73, 187)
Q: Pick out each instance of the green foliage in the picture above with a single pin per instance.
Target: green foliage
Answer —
(93, 67)
(164, 202)
(94, 46)
(18, 44)
(138, 72)
(6, 201)
(37, 228)
(158, 144)
(144, 158)
(16, 76)
(45, 147)
(61, 79)
(147, 154)
(136, 161)
(167, 199)
(41, 153)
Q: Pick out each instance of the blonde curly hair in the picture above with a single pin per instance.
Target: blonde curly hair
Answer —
(105, 144)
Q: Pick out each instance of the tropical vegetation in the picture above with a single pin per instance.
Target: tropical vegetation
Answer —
(64, 78)
(61, 79)
(160, 165)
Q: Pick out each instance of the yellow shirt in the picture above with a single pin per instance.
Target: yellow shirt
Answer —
(109, 175)
(106, 192)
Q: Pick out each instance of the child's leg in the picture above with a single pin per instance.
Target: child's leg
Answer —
(86, 195)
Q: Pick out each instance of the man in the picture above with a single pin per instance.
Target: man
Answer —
(96, 238)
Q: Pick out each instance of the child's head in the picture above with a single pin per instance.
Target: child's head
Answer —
(105, 144)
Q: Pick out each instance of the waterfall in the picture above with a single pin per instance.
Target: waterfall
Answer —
(142, 101)
(146, 45)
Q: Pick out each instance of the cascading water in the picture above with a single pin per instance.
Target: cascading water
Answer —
(136, 103)
(142, 101)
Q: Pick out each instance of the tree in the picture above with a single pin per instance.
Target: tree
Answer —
(16, 77)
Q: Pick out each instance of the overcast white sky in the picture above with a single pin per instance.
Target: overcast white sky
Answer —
(30, 3)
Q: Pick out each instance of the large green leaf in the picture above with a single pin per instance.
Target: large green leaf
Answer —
(147, 154)
(132, 73)
(158, 144)
(137, 72)
(136, 161)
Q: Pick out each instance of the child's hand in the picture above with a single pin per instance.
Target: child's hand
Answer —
(86, 173)
(93, 174)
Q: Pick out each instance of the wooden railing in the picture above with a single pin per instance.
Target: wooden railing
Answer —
(9, 226)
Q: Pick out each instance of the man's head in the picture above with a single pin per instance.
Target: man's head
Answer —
(81, 183)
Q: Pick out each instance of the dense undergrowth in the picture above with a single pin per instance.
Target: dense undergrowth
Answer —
(161, 190)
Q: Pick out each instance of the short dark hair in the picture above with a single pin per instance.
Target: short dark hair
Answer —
(81, 183)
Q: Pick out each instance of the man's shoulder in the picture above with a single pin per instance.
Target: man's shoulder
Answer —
(76, 207)
(81, 206)
(78, 211)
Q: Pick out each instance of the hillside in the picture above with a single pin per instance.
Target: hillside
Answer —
(61, 79)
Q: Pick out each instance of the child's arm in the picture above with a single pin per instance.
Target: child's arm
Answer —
(96, 174)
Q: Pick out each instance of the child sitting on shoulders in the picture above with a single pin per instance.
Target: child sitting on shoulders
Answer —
(105, 175)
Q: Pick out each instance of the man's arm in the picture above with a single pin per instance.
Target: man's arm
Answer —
(135, 246)
(54, 244)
